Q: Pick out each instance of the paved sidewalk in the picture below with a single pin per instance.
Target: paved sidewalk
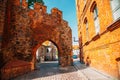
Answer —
(89, 73)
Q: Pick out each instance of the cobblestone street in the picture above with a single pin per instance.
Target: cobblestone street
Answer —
(51, 71)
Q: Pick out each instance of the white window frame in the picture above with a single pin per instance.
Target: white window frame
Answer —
(115, 6)
(96, 20)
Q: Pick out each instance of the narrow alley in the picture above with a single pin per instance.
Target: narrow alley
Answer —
(59, 39)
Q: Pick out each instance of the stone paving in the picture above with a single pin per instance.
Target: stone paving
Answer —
(89, 73)
(51, 71)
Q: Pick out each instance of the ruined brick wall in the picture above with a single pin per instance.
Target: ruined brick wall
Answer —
(2, 23)
(26, 30)
(15, 68)
(103, 49)
(20, 41)
(51, 27)
(2, 18)
(66, 36)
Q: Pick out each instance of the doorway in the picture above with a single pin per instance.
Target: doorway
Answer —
(47, 52)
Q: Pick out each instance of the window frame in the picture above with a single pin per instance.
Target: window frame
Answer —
(96, 20)
(87, 28)
(94, 10)
(117, 7)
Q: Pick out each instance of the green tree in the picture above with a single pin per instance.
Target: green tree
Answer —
(40, 1)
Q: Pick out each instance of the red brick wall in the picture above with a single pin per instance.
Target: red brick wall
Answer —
(26, 30)
(2, 19)
(15, 68)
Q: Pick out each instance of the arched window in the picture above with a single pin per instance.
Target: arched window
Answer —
(94, 10)
(115, 6)
(87, 31)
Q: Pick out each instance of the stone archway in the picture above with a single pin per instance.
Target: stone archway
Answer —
(26, 29)
(40, 44)
(47, 51)
(52, 27)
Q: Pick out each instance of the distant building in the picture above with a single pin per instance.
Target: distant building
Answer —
(76, 50)
(47, 52)
(99, 34)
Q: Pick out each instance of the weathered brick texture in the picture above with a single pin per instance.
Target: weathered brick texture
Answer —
(103, 49)
(2, 23)
(26, 30)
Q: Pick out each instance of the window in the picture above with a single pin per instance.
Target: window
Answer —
(115, 6)
(96, 20)
(87, 32)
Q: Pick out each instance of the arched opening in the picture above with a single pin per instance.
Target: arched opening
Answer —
(46, 52)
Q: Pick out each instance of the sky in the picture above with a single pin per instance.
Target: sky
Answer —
(68, 8)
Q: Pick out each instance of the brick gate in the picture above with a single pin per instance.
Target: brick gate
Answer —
(24, 32)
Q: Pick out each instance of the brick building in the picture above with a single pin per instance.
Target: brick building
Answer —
(99, 34)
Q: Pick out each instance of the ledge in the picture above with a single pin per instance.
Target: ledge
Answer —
(87, 43)
(118, 59)
(96, 37)
(114, 25)
(84, 8)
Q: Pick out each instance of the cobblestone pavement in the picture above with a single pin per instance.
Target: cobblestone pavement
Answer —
(51, 71)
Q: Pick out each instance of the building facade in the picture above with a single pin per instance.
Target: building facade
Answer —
(99, 34)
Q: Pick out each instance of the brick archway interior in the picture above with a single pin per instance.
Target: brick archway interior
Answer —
(42, 50)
